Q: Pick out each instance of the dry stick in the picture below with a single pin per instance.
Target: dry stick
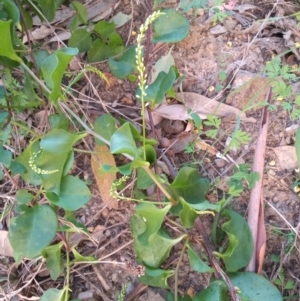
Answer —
(209, 250)
(256, 192)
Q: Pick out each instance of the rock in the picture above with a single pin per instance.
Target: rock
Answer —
(85, 295)
(220, 163)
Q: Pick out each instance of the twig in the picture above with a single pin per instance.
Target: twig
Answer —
(256, 192)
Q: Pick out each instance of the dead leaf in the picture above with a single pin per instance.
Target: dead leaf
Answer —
(104, 181)
(202, 145)
(96, 12)
(205, 106)
(286, 156)
(127, 101)
(39, 33)
(62, 36)
(261, 239)
(5, 247)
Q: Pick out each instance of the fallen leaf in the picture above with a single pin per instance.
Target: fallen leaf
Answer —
(202, 145)
(127, 101)
(120, 19)
(104, 181)
(286, 156)
(5, 247)
(38, 33)
(62, 36)
(205, 106)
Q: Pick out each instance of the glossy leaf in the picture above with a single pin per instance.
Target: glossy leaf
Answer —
(240, 242)
(122, 66)
(171, 27)
(190, 186)
(217, 291)
(53, 294)
(74, 193)
(52, 254)
(32, 231)
(197, 264)
(152, 244)
(6, 46)
(12, 10)
(254, 287)
(156, 277)
(157, 90)
(105, 126)
(53, 69)
(81, 39)
(55, 146)
(23, 196)
(29, 176)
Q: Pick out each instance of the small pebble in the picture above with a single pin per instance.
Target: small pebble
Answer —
(220, 163)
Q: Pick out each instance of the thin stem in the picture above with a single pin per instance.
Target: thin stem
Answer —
(68, 269)
(26, 128)
(178, 266)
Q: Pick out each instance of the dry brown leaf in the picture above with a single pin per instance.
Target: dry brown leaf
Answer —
(286, 156)
(205, 106)
(5, 247)
(202, 145)
(96, 12)
(39, 33)
(261, 239)
(104, 181)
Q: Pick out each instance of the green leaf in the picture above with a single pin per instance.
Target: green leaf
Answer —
(105, 29)
(53, 69)
(197, 263)
(120, 19)
(156, 277)
(143, 179)
(74, 193)
(81, 11)
(40, 56)
(29, 176)
(12, 10)
(81, 39)
(16, 168)
(190, 186)
(58, 121)
(6, 47)
(152, 244)
(32, 231)
(164, 64)
(5, 156)
(123, 65)
(297, 145)
(23, 196)
(53, 294)
(55, 146)
(171, 27)
(122, 142)
(157, 90)
(79, 257)
(217, 291)
(48, 8)
(101, 50)
(254, 287)
(240, 243)
(52, 254)
(105, 126)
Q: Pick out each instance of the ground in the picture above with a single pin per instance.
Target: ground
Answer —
(242, 51)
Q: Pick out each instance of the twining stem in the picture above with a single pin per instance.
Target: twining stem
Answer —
(178, 266)
(94, 134)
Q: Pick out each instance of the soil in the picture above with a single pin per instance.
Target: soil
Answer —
(208, 49)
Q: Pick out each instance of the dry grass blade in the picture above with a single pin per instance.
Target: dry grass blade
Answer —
(104, 181)
(256, 192)
(5, 247)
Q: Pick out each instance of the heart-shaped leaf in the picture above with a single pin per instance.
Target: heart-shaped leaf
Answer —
(32, 231)
(240, 242)
(156, 277)
(123, 65)
(171, 27)
(74, 193)
(53, 69)
(217, 291)
(254, 287)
